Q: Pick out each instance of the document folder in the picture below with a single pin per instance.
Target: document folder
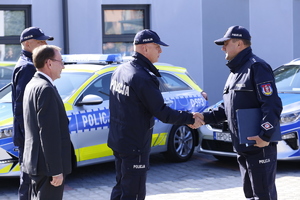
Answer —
(249, 124)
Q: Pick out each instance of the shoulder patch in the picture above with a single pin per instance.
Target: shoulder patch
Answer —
(267, 126)
(266, 89)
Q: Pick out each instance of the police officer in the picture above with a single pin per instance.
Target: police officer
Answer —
(250, 84)
(135, 99)
(24, 70)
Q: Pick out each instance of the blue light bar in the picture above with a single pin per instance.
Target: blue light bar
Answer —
(92, 58)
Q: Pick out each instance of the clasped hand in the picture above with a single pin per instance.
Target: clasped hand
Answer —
(199, 121)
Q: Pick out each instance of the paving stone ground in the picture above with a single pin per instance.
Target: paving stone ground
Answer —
(202, 177)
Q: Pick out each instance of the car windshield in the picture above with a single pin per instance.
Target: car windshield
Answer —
(287, 78)
(69, 82)
(66, 85)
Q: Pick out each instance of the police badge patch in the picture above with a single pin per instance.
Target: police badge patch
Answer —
(267, 126)
(266, 89)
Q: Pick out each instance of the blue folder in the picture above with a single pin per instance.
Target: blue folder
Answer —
(249, 124)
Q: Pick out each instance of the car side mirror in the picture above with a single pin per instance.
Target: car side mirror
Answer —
(90, 99)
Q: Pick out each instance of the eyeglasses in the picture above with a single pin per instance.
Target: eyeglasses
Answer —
(61, 61)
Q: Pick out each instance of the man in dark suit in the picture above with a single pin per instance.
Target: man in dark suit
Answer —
(24, 70)
(47, 150)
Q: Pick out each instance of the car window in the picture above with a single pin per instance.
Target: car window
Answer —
(288, 78)
(68, 83)
(99, 87)
(170, 82)
(5, 94)
(5, 73)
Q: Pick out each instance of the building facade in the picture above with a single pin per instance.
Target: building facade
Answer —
(189, 27)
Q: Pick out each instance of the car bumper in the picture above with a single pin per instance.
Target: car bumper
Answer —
(287, 149)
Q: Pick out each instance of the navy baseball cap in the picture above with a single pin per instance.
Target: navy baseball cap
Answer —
(34, 33)
(147, 36)
(238, 32)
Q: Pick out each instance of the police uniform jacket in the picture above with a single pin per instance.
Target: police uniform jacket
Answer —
(22, 74)
(135, 99)
(251, 84)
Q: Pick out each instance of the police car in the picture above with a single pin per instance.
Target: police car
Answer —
(84, 87)
(215, 139)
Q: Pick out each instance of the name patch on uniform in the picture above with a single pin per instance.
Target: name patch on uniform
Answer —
(267, 126)
(266, 89)
(264, 161)
(119, 87)
(139, 166)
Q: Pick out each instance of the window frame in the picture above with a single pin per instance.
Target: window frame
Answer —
(124, 37)
(27, 10)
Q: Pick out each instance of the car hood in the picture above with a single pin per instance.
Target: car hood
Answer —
(290, 102)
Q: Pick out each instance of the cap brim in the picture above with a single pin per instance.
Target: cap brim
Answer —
(162, 43)
(44, 37)
(221, 41)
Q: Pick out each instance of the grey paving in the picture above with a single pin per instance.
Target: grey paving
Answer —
(203, 177)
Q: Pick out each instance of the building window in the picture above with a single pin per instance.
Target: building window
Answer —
(120, 24)
(13, 20)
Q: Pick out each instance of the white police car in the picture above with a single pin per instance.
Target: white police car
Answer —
(84, 88)
(216, 140)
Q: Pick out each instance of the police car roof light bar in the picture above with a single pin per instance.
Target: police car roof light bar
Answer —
(92, 58)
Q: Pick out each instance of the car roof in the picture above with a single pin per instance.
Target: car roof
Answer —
(94, 68)
(93, 63)
(294, 62)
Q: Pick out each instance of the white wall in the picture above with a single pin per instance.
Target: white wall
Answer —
(271, 25)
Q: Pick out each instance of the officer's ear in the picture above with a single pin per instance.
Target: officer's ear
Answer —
(240, 43)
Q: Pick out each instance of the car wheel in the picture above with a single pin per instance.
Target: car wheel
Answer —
(181, 142)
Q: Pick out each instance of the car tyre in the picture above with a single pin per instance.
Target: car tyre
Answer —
(181, 142)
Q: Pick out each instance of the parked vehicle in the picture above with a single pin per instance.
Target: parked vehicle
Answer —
(84, 88)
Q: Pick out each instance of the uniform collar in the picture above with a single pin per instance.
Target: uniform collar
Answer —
(27, 54)
(145, 62)
(240, 59)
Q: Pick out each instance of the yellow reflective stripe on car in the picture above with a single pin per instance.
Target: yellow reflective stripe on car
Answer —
(68, 106)
(16, 168)
(6, 121)
(6, 169)
(96, 151)
(7, 64)
(171, 68)
(159, 139)
(103, 71)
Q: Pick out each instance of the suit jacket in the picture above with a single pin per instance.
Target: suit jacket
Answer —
(47, 149)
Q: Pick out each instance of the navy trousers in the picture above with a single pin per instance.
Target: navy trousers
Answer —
(24, 190)
(258, 170)
(131, 175)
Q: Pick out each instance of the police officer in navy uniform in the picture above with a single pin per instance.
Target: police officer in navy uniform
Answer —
(24, 70)
(135, 99)
(250, 84)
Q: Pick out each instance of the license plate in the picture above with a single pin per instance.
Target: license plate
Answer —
(222, 136)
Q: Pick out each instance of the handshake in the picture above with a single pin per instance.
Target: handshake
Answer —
(199, 121)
